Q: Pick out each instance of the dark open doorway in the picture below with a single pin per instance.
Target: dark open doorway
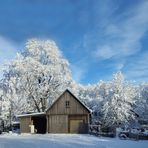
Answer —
(39, 123)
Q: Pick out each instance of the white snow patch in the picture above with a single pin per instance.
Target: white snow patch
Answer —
(66, 141)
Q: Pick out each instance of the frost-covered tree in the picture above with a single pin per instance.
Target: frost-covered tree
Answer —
(5, 104)
(118, 107)
(36, 77)
(141, 107)
(93, 95)
(40, 73)
(88, 94)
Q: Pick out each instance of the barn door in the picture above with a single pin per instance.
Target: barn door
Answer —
(76, 126)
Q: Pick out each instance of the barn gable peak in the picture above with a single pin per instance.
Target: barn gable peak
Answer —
(71, 94)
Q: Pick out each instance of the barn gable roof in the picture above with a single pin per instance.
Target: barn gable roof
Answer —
(73, 97)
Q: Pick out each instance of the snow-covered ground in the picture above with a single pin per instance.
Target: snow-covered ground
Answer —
(66, 141)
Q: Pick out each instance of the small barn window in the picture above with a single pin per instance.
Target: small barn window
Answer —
(67, 104)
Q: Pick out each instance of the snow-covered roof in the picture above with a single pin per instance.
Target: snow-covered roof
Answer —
(16, 122)
(32, 114)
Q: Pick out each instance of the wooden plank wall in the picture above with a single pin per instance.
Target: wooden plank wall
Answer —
(58, 124)
(79, 117)
(59, 115)
(75, 106)
(24, 126)
(85, 119)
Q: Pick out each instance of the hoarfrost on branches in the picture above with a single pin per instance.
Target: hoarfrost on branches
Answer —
(118, 108)
(36, 77)
(40, 74)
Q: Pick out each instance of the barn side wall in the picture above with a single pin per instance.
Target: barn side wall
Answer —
(24, 124)
(58, 124)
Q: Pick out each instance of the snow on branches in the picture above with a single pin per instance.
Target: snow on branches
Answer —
(36, 76)
(40, 73)
(118, 107)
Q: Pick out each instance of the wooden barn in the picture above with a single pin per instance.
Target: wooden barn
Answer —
(66, 115)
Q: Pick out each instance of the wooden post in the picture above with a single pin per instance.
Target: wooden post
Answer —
(88, 121)
(47, 119)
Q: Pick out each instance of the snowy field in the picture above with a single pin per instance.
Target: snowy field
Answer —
(66, 141)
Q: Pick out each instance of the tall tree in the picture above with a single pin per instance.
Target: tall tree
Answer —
(36, 76)
(118, 107)
(142, 101)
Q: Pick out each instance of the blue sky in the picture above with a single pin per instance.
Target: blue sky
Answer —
(98, 37)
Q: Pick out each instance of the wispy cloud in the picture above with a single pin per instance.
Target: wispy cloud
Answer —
(107, 35)
(8, 51)
(77, 73)
(79, 70)
(138, 68)
(118, 41)
(123, 35)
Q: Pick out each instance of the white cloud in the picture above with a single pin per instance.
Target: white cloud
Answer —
(78, 72)
(119, 66)
(138, 69)
(105, 52)
(8, 51)
(124, 34)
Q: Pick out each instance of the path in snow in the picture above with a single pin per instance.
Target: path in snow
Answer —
(66, 141)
